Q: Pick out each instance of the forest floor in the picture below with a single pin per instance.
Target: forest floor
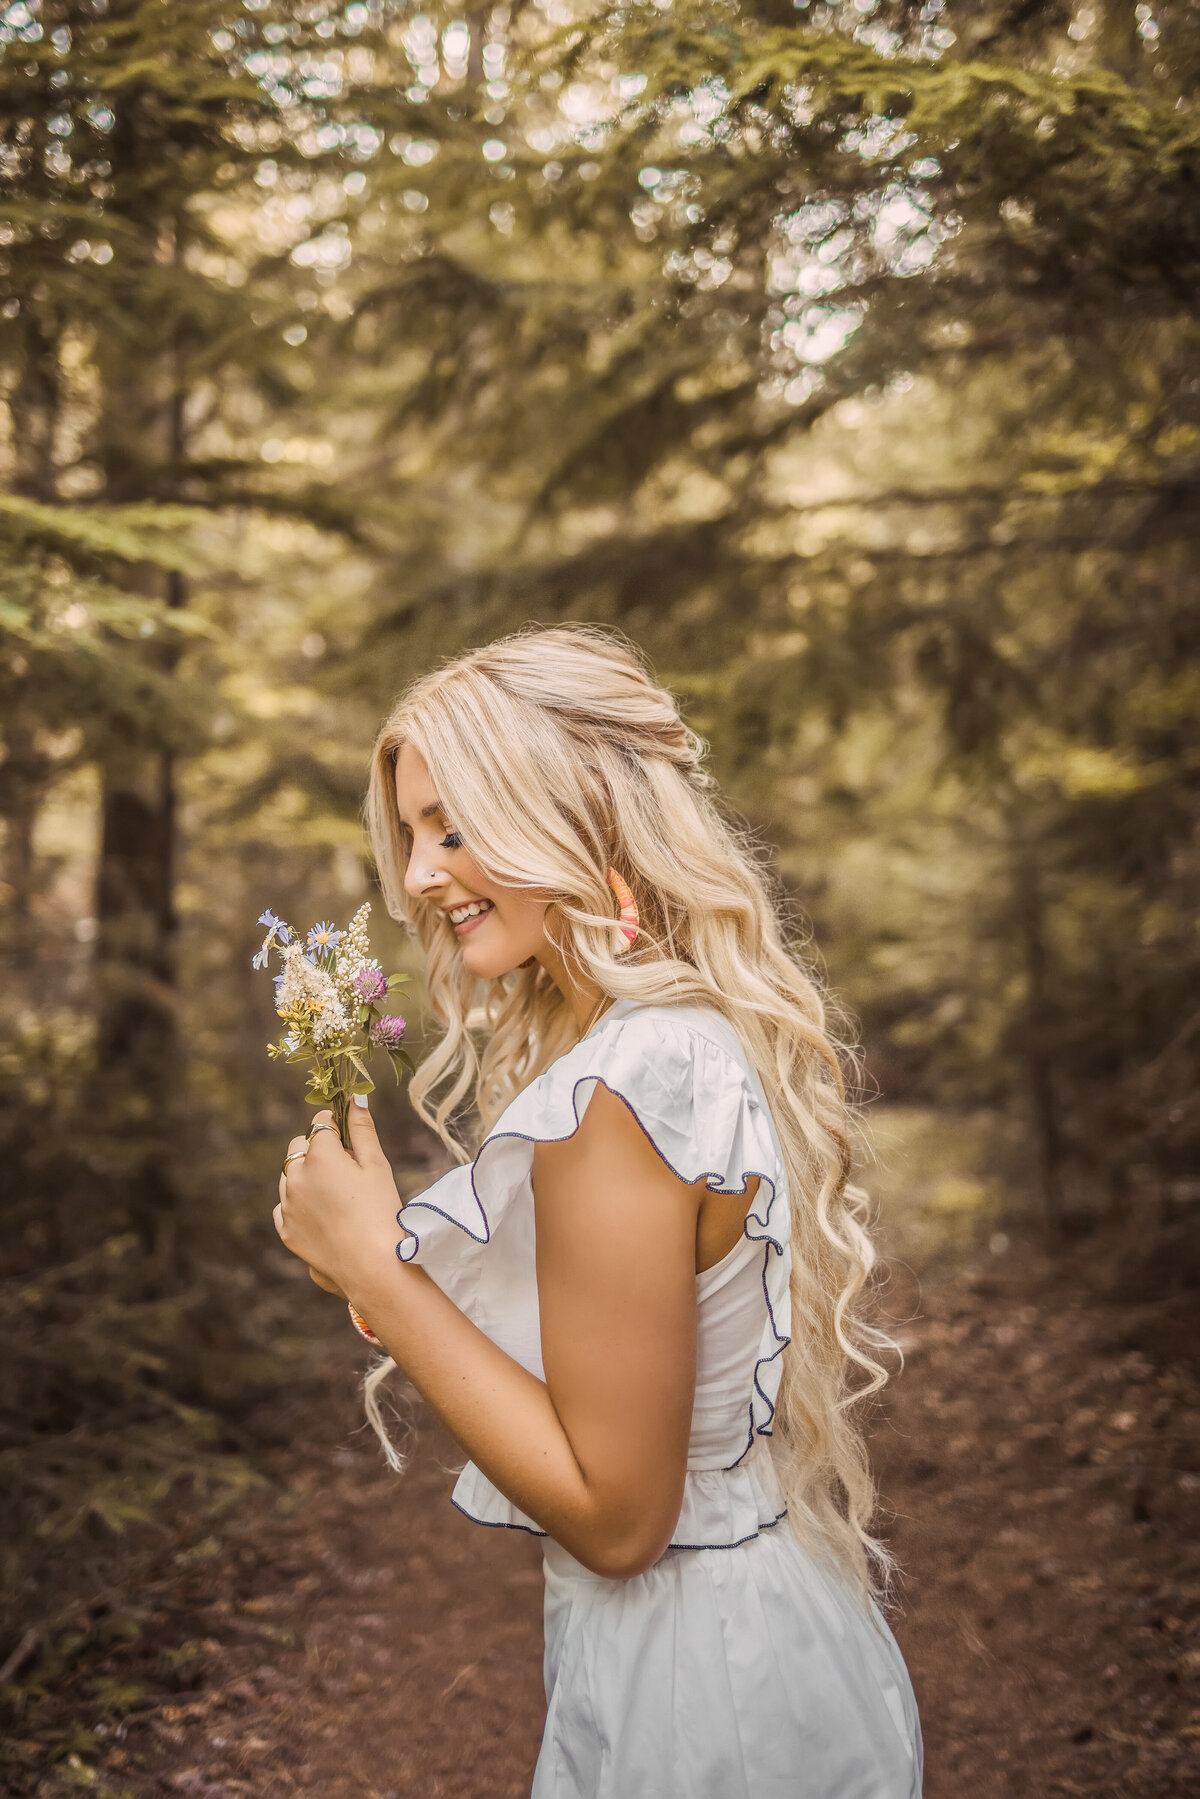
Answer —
(348, 1635)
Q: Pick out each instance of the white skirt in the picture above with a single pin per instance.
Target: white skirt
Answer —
(744, 1673)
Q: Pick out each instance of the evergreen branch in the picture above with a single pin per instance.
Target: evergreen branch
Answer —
(137, 533)
(1105, 488)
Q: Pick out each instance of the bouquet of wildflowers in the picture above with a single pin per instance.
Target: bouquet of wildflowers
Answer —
(328, 993)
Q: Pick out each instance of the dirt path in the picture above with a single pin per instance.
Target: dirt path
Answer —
(1043, 1457)
(353, 1635)
(356, 1637)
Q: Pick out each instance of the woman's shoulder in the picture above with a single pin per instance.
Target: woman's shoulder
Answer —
(660, 1032)
(655, 1048)
(681, 1070)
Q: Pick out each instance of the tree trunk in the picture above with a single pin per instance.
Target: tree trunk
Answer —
(137, 1034)
(34, 406)
(23, 777)
(138, 1050)
(134, 911)
(1038, 1058)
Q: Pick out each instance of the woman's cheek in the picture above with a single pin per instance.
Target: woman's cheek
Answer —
(526, 930)
(517, 932)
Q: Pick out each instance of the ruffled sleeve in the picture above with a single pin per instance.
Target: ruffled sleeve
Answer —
(686, 1081)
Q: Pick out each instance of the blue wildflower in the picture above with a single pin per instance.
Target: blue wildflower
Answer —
(322, 937)
(275, 927)
(277, 934)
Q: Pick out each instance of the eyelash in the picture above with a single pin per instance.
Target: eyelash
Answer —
(451, 841)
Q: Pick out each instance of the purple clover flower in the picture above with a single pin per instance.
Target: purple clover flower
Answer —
(387, 1032)
(369, 984)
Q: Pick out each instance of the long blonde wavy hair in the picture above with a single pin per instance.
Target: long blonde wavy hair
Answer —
(556, 756)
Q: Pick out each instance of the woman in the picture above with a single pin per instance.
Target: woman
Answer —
(635, 1307)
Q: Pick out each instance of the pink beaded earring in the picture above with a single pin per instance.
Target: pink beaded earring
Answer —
(630, 920)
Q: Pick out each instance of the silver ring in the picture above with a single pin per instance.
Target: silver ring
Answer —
(297, 1155)
(313, 1129)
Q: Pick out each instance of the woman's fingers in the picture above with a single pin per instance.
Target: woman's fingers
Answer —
(297, 1149)
(364, 1143)
(323, 1138)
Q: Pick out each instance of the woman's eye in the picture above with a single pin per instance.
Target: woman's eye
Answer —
(451, 841)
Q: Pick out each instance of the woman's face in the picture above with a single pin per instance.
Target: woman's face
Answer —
(497, 928)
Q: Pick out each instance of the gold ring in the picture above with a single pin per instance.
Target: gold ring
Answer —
(313, 1129)
(297, 1155)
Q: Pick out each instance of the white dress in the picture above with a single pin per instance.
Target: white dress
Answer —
(737, 1667)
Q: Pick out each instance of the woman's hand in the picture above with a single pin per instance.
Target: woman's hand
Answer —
(296, 1148)
(337, 1208)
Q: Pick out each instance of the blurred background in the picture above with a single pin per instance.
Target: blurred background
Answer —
(845, 357)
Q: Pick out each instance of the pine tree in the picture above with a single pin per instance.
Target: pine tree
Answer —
(137, 305)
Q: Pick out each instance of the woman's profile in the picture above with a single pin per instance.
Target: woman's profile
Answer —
(635, 1301)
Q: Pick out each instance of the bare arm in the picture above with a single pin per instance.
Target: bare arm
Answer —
(596, 1453)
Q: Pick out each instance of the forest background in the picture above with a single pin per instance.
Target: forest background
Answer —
(843, 355)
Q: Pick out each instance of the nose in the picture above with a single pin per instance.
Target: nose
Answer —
(420, 880)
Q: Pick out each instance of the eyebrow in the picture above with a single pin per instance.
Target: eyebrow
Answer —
(429, 811)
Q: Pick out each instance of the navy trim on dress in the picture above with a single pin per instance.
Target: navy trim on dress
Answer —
(531, 1530)
(742, 1541)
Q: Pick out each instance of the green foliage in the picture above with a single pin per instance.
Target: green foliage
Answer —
(102, 1414)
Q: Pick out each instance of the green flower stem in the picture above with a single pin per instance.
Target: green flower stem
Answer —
(341, 1116)
(340, 1101)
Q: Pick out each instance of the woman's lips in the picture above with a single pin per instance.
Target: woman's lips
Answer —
(467, 925)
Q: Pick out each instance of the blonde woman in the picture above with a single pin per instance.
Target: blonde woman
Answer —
(635, 1306)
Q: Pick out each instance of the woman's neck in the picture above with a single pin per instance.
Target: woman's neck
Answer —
(585, 1000)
